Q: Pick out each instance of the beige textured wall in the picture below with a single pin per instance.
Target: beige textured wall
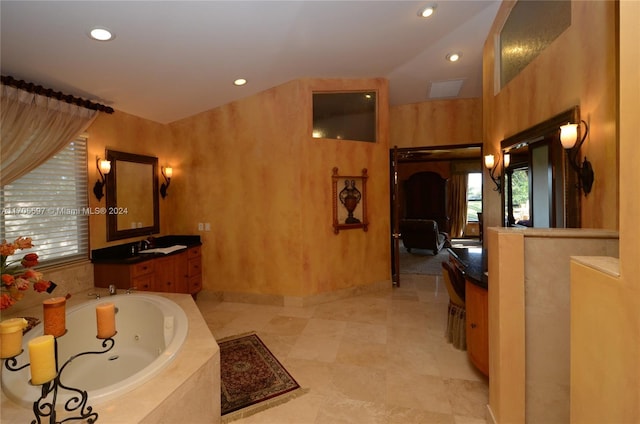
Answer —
(252, 170)
(127, 133)
(436, 123)
(578, 68)
(605, 330)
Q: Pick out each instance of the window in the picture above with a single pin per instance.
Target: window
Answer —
(345, 116)
(474, 196)
(50, 205)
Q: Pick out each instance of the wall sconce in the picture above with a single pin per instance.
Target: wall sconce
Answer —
(492, 166)
(167, 173)
(104, 167)
(568, 138)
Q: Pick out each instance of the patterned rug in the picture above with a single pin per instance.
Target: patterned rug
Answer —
(252, 379)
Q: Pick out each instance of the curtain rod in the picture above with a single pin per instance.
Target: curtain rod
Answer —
(47, 92)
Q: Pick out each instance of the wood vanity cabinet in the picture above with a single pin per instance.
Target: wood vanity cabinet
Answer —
(477, 326)
(194, 267)
(176, 273)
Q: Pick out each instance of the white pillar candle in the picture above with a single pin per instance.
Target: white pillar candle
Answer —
(106, 320)
(42, 359)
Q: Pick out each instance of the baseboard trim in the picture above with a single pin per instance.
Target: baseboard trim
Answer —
(300, 301)
(491, 419)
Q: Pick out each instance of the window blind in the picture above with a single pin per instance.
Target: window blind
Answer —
(50, 205)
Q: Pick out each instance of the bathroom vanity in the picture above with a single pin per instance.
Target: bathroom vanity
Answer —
(472, 263)
(125, 266)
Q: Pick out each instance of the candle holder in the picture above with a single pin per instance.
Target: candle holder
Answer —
(44, 408)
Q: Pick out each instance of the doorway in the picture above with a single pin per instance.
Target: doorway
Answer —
(454, 162)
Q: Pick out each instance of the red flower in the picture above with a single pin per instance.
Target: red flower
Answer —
(7, 279)
(41, 286)
(29, 260)
(6, 301)
(31, 275)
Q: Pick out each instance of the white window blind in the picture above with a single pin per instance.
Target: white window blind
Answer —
(50, 205)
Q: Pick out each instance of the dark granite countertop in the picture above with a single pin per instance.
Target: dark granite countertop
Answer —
(474, 264)
(128, 253)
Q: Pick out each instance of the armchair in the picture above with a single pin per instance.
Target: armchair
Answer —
(423, 234)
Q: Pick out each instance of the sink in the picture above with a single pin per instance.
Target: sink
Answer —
(164, 250)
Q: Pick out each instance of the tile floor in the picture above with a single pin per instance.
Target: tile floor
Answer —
(374, 358)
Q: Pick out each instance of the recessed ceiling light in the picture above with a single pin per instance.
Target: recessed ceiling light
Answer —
(240, 81)
(101, 34)
(454, 57)
(427, 11)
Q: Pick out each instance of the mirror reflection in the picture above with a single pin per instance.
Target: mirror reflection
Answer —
(132, 195)
(539, 190)
(134, 189)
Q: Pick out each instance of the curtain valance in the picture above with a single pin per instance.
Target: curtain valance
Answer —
(34, 127)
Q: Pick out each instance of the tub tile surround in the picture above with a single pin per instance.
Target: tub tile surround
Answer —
(375, 357)
(187, 390)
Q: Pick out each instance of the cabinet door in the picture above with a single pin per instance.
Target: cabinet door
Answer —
(476, 300)
(181, 273)
(195, 270)
(165, 275)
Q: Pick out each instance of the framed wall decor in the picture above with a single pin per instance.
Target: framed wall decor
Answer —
(349, 201)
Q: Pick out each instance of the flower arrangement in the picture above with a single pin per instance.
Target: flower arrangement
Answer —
(15, 280)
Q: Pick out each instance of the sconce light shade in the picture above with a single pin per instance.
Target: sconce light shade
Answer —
(488, 161)
(568, 138)
(568, 135)
(492, 166)
(167, 173)
(104, 167)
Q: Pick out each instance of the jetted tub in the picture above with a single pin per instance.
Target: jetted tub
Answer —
(150, 331)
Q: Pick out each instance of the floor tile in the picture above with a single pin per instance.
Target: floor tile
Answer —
(374, 358)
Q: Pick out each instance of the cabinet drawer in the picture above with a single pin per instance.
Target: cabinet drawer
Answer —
(193, 252)
(195, 266)
(142, 268)
(143, 283)
(195, 284)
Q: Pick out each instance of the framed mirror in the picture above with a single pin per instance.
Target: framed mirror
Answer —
(132, 195)
(539, 188)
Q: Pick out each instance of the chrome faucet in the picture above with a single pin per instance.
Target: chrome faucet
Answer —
(112, 289)
(144, 244)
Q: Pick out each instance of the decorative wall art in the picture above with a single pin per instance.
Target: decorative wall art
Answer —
(349, 201)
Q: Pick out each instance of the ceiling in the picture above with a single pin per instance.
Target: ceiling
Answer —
(173, 59)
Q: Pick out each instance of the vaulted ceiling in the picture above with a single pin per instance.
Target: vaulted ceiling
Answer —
(173, 59)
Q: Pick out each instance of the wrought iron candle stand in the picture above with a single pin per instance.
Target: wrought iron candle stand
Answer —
(42, 408)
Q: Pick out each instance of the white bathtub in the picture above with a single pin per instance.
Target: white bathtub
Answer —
(150, 331)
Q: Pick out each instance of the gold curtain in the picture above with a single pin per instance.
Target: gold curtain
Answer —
(33, 128)
(458, 204)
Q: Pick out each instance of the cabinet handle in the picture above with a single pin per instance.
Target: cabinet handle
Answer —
(473, 325)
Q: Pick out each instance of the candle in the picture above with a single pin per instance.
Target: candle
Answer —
(11, 336)
(54, 316)
(42, 359)
(106, 318)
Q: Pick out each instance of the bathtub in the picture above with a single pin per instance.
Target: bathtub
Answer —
(150, 331)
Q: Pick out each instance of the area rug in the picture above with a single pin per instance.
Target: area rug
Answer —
(252, 379)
